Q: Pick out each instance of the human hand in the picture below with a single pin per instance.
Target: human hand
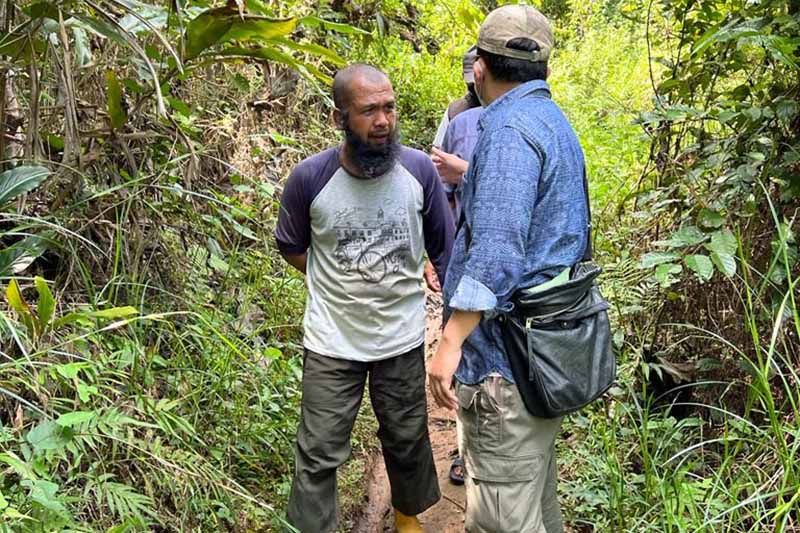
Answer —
(449, 166)
(432, 278)
(441, 369)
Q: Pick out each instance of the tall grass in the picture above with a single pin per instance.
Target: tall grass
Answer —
(722, 459)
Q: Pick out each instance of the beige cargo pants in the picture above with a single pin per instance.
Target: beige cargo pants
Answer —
(510, 461)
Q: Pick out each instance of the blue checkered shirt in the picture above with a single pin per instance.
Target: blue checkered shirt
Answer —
(525, 208)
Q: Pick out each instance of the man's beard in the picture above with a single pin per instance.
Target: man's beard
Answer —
(372, 161)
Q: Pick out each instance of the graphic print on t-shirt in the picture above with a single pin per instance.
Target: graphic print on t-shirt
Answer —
(373, 241)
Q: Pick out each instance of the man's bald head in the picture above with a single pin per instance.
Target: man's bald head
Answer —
(357, 73)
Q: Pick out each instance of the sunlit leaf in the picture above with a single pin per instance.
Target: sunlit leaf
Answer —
(273, 54)
(83, 48)
(87, 316)
(116, 111)
(313, 49)
(258, 29)
(46, 305)
(85, 392)
(207, 29)
(317, 22)
(19, 305)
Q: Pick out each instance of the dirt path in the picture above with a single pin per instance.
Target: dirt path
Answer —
(448, 515)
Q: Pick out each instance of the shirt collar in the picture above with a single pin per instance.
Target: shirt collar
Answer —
(515, 94)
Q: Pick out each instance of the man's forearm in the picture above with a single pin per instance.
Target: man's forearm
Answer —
(459, 326)
(297, 261)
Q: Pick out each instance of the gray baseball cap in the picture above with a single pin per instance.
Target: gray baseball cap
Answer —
(466, 64)
(512, 22)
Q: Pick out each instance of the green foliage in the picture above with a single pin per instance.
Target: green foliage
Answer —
(20, 180)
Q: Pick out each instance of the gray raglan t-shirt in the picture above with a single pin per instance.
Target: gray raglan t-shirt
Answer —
(365, 240)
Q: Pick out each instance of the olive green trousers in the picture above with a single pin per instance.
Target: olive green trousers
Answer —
(332, 393)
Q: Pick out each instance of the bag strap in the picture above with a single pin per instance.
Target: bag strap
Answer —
(587, 252)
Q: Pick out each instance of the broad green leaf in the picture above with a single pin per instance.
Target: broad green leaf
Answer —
(44, 493)
(21, 46)
(258, 29)
(317, 22)
(17, 257)
(652, 259)
(21, 468)
(116, 111)
(70, 370)
(56, 142)
(725, 263)
(710, 219)
(273, 54)
(664, 273)
(75, 418)
(701, 265)
(104, 29)
(207, 29)
(272, 353)
(41, 10)
(115, 312)
(47, 435)
(723, 242)
(179, 106)
(85, 392)
(313, 49)
(259, 7)
(86, 317)
(685, 236)
(20, 180)
(46, 305)
(20, 306)
(3, 502)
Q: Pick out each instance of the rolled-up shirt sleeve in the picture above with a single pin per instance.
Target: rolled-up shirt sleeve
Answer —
(506, 178)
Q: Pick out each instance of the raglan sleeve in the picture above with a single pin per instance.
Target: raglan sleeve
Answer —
(437, 221)
(293, 231)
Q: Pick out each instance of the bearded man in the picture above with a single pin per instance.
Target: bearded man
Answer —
(357, 220)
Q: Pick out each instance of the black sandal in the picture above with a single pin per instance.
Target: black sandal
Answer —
(457, 469)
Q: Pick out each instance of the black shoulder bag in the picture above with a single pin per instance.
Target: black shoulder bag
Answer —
(558, 341)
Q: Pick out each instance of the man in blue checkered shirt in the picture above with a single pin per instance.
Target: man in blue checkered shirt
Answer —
(524, 222)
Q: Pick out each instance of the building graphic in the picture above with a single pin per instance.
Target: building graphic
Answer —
(371, 241)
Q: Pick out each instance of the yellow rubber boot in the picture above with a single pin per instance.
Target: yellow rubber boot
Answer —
(406, 524)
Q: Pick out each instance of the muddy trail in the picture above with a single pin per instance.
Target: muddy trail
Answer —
(448, 515)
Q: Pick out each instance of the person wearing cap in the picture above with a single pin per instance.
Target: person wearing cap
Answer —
(524, 221)
(468, 101)
(452, 162)
(451, 167)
